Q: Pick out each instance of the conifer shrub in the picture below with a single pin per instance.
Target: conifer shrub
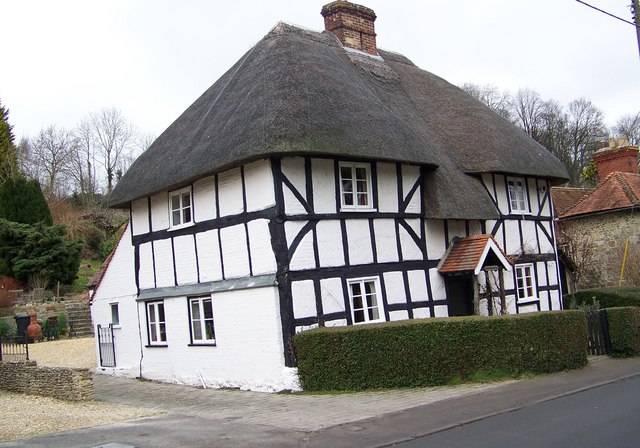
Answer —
(624, 331)
(22, 201)
(416, 353)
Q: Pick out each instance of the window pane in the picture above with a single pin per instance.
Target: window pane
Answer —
(195, 310)
(152, 313)
(361, 186)
(358, 316)
(197, 331)
(186, 199)
(355, 289)
(209, 330)
(115, 317)
(186, 214)
(345, 172)
(361, 173)
(373, 314)
(163, 333)
(154, 335)
(175, 202)
(370, 287)
(347, 186)
(348, 199)
(161, 312)
(175, 217)
(357, 302)
(363, 199)
(208, 309)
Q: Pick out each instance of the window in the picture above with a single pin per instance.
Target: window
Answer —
(365, 300)
(115, 314)
(355, 186)
(517, 196)
(524, 282)
(201, 316)
(156, 321)
(180, 204)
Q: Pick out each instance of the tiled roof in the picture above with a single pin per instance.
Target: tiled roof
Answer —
(617, 191)
(565, 197)
(470, 253)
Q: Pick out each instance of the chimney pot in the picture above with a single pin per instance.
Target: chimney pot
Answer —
(352, 24)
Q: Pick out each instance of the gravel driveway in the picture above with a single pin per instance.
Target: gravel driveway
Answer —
(29, 415)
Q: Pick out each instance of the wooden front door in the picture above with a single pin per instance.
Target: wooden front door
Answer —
(459, 294)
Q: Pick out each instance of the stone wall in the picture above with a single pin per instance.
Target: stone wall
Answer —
(57, 382)
(608, 233)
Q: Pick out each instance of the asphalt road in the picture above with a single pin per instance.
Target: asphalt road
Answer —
(607, 416)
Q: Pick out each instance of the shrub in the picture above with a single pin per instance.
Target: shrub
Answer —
(7, 328)
(436, 351)
(62, 324)
(611, 297)
(624, 331)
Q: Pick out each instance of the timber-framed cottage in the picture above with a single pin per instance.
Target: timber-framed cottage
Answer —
(321, 181)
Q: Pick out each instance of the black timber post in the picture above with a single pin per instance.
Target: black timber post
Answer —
(283, 279)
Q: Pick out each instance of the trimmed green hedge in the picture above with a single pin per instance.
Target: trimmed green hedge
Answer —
(624, 331)
(611, 297)
(430, 352)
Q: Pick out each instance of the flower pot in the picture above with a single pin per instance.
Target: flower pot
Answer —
(34, 330)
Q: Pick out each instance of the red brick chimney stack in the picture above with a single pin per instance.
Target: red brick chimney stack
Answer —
(352, 24)
(623, 159)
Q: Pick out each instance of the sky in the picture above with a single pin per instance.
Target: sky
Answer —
(151, 59)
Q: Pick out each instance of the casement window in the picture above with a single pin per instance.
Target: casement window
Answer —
(366, 301)
(157, 329)
(517, 195)
(355, 186)
(115, 314)
(201, 317)
(525, 285)
(180, 208)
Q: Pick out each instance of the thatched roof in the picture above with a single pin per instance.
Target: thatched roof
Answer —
(301, 92)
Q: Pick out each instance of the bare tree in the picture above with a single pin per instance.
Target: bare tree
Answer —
(581, 248)
(586, 128)
(83, 167)
(497, 100)
(528, 108)
(115, 138)
(51, 154)
(629, 126)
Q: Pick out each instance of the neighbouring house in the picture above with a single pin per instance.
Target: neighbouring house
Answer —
(596, 227)
(321, 181)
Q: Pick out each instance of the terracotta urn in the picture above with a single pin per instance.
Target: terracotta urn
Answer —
(34, 330)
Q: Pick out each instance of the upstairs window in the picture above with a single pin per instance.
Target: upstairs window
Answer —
(517, 195)
(355, 186)
(180, 205)
(524, 282)
(365, 300)
(201, 314)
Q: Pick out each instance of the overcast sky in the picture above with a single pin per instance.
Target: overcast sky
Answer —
(152, 58)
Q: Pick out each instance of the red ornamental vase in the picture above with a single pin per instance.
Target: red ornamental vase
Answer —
(34, 330)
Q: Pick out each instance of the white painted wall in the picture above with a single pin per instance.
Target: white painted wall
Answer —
(140, 216)
(249, 350)
(118, 286)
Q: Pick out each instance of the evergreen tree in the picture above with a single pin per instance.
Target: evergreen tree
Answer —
(8, 159)
(22, 201)
(39, 253)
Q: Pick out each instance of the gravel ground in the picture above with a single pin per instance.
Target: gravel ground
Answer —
(77, 352)
(33, 415)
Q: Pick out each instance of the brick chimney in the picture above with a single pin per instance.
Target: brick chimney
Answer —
(623, 159)
(352, 24)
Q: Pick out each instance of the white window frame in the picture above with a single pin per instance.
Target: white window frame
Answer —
(365, 304)
(525, 282)
(156, 327)
(519, 205)
(181, 208)
(199, 325)
(115, 314)
(354, 183)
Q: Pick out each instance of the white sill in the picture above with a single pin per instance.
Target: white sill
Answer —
(181, 226)
(369, 322)
(116, 326)
(358, 209)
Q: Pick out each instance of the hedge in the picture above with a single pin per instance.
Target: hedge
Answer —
(624, 331)
(610, 297)
(431, 352)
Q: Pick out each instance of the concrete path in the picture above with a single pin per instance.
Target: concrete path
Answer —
(220, 418)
